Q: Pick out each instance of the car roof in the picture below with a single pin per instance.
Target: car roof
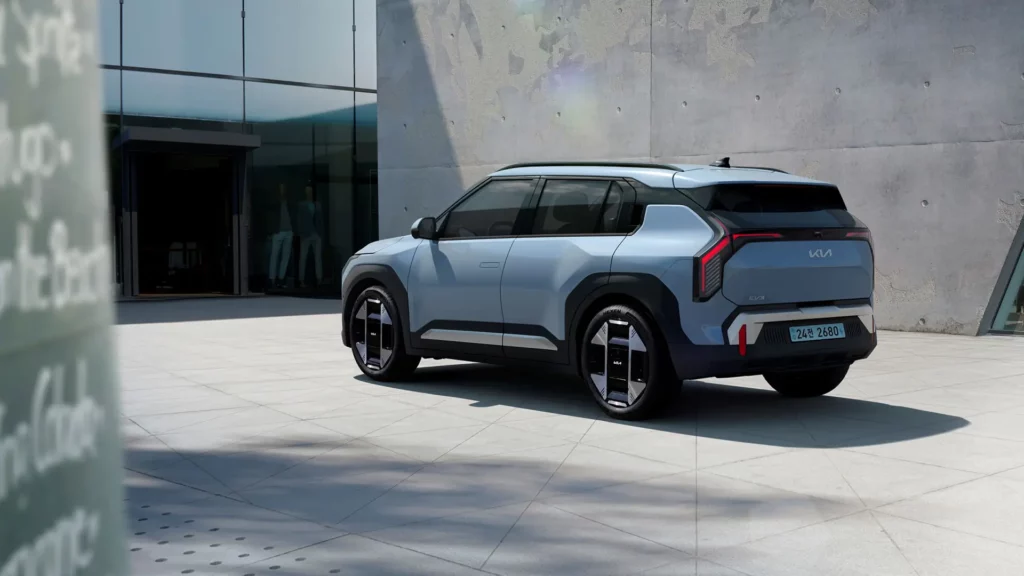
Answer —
(660, 175)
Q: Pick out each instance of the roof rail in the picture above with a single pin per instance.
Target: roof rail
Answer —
(594, 164)
(762, 168)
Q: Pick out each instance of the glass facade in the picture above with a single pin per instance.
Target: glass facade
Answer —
(1010, 316)
(243, 139)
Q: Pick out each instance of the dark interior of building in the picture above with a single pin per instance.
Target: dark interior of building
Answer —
(185, 223)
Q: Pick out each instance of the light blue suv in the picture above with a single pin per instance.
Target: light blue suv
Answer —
(632, 276)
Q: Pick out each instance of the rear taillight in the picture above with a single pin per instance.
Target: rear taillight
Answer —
(710, 267)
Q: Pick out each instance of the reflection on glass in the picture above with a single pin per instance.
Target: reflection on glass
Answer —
(300, 40)
(366, 45)
(301, 207)
(165, 95)
(110, 31)
(1010, 317)
(366, 169)
(112, 91)
(192, 35)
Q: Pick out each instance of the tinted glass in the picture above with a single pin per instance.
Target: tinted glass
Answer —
(366, 44)
(610, 212)
(762, 198)
(300, 40)
(490, 211)
(192, 35)
(112, 91)
(110, 31)
(171, 96)
(302, 216)
(570, 207)
(747, 206)
(1010, 316)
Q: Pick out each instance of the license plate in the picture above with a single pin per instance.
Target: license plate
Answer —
(817, 332)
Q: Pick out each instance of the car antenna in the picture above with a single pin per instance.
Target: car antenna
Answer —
(723, 163)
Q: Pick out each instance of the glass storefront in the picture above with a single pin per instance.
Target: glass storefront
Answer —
(1010, 316)
(243, 142)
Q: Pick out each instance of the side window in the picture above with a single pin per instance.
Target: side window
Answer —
(570, 207)
(610, 213)
(490, 211)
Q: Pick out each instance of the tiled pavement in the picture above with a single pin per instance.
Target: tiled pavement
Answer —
(253, 446)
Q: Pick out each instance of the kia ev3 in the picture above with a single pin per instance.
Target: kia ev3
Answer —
(632, 276)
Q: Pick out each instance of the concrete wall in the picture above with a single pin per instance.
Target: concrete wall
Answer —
(915, 108)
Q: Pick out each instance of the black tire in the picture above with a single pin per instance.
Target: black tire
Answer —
(807, 383)
(380, 355)
(649, 388)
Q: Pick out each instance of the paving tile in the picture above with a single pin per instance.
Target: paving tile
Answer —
(989, 507)
(955, 451)
(667, 447)
(355, 555)
(498, 439)
(429, 445)
(956, 397)
(567, 428)
(165, 423)
(713, 451)
(732, 512)
(467, 539)
(588, 468)
(273, 446)
(936, 551)
(551, 541)
(424, 421)
(449, 488)
(361, 425)
(661, 510)
(851, 546)
(692, 567)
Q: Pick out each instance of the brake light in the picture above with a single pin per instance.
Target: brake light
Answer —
(743, 340)
(859, 234)
(709, 269)
(758, 236)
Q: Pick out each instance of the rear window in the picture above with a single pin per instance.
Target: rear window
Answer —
(744, 206)
(762, 198)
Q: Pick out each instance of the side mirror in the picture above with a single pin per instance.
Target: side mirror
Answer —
(424, 228)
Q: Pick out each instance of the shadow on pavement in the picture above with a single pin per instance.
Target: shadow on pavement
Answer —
(705, 409)
(461, 509)
(199, 309)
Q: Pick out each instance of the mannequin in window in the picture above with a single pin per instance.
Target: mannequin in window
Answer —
(310, 222)
(280, 239)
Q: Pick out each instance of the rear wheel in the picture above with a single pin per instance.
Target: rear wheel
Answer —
(807, 383)
(376, 336)
(624, 365)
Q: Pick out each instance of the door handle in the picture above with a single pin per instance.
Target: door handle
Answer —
(489, 264)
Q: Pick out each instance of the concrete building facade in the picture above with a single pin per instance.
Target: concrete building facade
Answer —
(915, 108)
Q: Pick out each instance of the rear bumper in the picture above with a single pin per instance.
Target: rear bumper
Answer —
(769, 349)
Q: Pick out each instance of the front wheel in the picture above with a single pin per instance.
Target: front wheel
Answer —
(376, 336)
(807, 383)
(624, 365)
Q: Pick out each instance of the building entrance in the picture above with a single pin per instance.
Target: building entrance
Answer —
(184, 223)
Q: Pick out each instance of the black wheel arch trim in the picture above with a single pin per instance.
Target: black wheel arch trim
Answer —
(380, 274)
(659, 305)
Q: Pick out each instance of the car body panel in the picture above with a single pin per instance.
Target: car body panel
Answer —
(541, 271)
(799, 271)
(457, 280)
(667, 234)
